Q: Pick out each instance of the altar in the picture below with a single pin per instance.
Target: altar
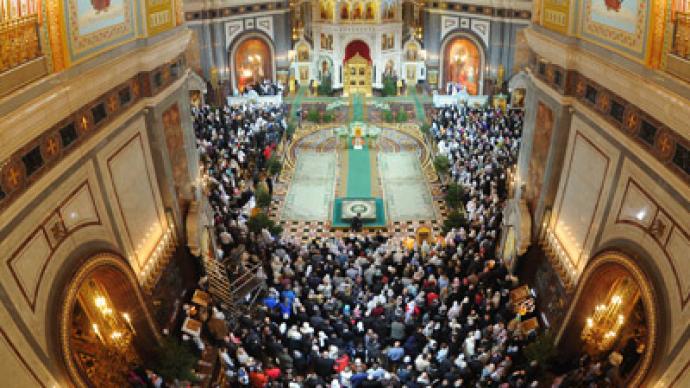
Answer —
(358, 135)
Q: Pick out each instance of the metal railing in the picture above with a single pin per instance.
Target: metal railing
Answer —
(18, 41)
(681, 35)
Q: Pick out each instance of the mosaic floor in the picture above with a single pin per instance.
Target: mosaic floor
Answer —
(312, 187)
(405, 189)
(318, 168)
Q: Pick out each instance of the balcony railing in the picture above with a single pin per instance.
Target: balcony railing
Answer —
(681, 35)
(18, 41)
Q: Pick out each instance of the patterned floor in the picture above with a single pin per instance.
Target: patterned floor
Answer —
(313, 138)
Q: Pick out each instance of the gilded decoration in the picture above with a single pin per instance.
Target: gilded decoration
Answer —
(159, 16)
(96, 26)
(55, 32)
(632, 121)
(620, 25)
(556, 15)
(647, 296)
(664, 144)
(13, 175)
(604, 102)
(580, 87)
(50, 147)
(19, 39)
(82, 122)
(70, 298)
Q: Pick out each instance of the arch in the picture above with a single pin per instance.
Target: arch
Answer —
(269, 66)
(613, 264)
(475, 41)
(357, 47)
(123, 289)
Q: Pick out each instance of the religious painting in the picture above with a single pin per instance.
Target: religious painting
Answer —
(94, 15)
(411, 72)
(304, 73)
(96, 25)
(345, 11)
(517, 98)
(461, 65)
(174, 139)
(325, 68)
(253, 63)
(432, 77)
(389, 11)
(543, 128)
(326, 41)
(357, 11)
(387, 41)
(619, 24)
(326, 8)
(411, 52)
(302, 53)
(370, 11)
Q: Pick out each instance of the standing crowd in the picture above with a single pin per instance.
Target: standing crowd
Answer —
(370, 311)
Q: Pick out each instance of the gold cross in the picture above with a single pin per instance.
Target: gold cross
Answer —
(112, 103)
(580, 87)
(84, 122)
(52, 146)
(665, 144)
(632, 120)
(13, 176)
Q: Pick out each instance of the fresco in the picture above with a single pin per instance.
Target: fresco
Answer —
(620, 25)
(619, 14)
(543, 129)
(94, 26)
(461, 64)
(94, 15)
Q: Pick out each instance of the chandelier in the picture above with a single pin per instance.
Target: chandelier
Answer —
(114, 329)
(603, 327)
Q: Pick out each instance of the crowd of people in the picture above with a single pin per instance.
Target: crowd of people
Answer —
(263, 88)
(369, 311)
(235, 144)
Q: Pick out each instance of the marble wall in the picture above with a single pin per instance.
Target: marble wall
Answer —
(105, 194)
(610, 194)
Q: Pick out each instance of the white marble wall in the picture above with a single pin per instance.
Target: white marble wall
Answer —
(584, 185)
(133, 192)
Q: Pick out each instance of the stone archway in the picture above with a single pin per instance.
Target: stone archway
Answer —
(103, 316)
(462, 61)
(599, 286)
(252, 59)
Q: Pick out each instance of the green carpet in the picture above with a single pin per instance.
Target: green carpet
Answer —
(358, 161)
(359, 173)
(379, 222)
(358, 108)
(297, 102)
(419, 107)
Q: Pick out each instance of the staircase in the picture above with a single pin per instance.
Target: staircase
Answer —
(237, 296)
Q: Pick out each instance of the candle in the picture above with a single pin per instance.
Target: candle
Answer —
(97, 332)
(129, 322)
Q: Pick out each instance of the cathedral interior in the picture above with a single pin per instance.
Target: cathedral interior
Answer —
(345, 193)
